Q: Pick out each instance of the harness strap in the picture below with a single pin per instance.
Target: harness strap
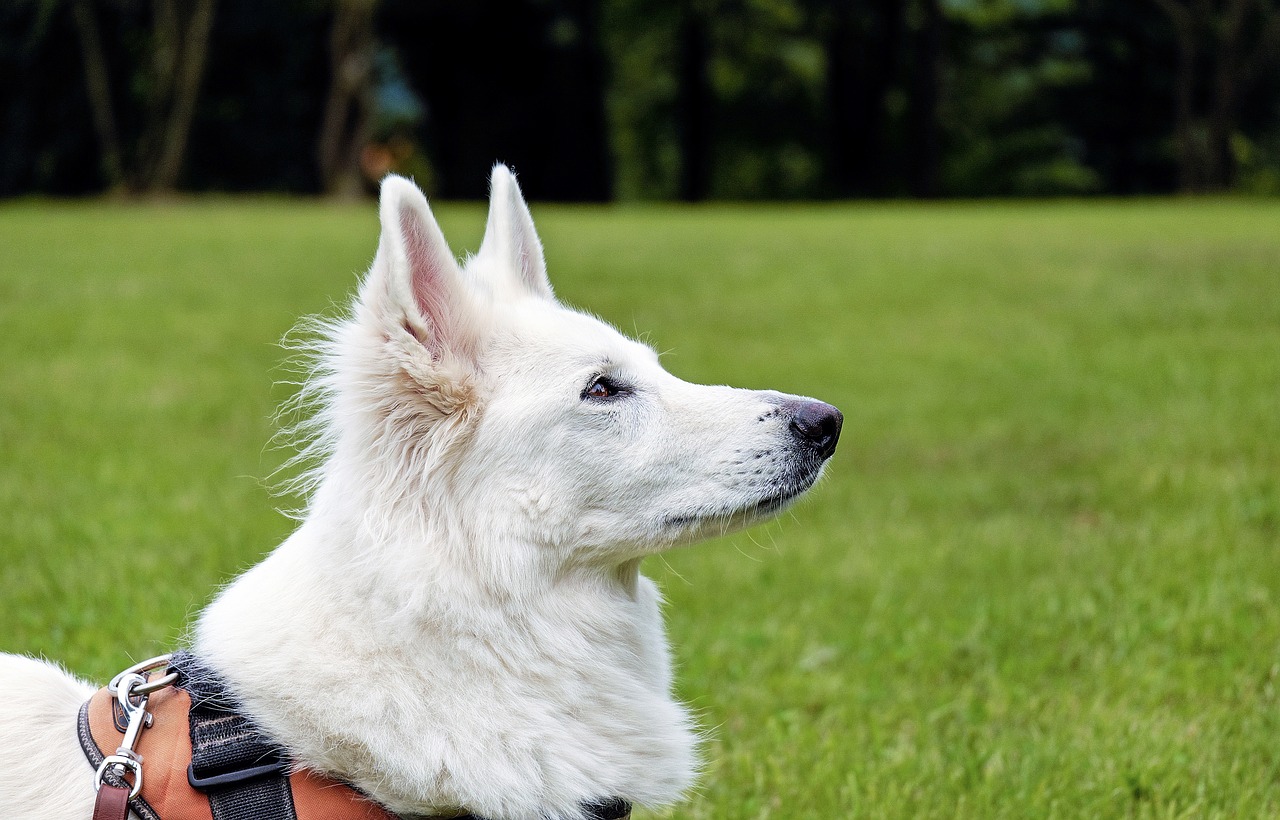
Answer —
(612, 809)
(244, 775)
(205, 760)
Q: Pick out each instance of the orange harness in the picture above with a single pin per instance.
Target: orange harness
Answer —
(166, 745)
(211, 762)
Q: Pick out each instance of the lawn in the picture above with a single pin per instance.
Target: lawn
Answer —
(1042, 578)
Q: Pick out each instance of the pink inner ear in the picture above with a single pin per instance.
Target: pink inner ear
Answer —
(426, 277)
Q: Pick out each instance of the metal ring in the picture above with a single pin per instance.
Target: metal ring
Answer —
(124, 763)
(127, 685)
(150, 686)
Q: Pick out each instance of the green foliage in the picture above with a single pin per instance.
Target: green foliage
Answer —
(767, 73)
(1040, 579)
(641, 97)
(1258, 163)
(1006, 138)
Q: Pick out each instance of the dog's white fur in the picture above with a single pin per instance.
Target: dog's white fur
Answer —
(459, 621)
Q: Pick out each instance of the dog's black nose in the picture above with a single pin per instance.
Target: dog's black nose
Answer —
(817, 425)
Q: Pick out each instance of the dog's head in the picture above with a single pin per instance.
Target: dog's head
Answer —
(471, 392)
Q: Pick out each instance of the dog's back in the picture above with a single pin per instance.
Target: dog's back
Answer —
(43, 773)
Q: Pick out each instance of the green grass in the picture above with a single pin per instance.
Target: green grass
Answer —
(1041, 580)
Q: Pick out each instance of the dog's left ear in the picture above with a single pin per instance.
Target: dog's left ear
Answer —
(415, 282)
(509, 236)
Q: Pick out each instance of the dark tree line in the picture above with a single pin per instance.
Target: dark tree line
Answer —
(177, 35)
(1224, 49)
(669, 99)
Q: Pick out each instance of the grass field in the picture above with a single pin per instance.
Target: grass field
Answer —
(1041, 580)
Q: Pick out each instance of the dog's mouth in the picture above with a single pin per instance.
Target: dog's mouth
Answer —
(750, 513)
(774, 503)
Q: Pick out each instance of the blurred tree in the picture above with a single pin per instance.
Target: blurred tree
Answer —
(862, 43)
(263, 96)
(640, 43)
(578, 149)
(168, 84)
(767, 103)
(694, 106)
(47, 142)
(1010, 67)
(98, 85)
(924, 130)
(1223, 48)
(715, 98)
(349, 109)
(517, 82)
(1115, 110)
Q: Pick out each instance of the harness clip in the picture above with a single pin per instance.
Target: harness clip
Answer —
(214, 781)
(126, 760)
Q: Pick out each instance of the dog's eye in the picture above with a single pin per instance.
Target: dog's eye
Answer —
(601, 387)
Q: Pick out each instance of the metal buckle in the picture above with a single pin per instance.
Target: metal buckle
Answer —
(129, 763)
(235, 776)
(126, 759)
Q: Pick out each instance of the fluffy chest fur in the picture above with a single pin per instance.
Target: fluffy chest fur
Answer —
(453, 696)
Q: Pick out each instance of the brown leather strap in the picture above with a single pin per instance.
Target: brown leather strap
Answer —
(112, 803)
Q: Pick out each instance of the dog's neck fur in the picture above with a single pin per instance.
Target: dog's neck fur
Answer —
(379, 663)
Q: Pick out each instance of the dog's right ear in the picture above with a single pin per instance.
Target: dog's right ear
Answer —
(510, 239)
(415, 281)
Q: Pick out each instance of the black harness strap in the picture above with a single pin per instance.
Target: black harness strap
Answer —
(611, 809)
(244, 775)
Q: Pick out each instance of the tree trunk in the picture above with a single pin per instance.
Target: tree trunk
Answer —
(1203, 133)
(189, 63)
(178, 53)
(165, 37)
(1184, 29)
(862, 46)
(840, 45)
(98, 85)
(694, 105)
(925, 159)
(578, 157)
(348, 113)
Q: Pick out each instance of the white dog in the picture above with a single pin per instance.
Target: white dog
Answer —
(459, 623)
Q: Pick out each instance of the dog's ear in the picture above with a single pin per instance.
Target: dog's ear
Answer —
(415, 281)
(509, 236)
